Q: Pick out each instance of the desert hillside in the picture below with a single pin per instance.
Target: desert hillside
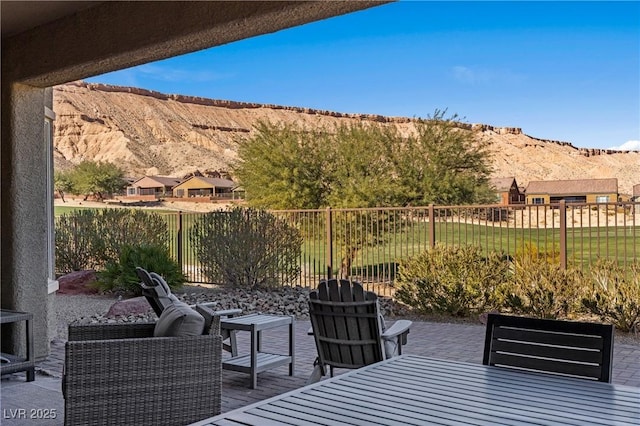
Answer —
(147, 132)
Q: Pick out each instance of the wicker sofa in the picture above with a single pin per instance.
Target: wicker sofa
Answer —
(119, 374)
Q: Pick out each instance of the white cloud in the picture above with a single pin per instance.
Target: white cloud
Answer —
(628, 146)
(464, 74)
(483, 76)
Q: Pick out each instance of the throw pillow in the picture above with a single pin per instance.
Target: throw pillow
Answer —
(178, 320)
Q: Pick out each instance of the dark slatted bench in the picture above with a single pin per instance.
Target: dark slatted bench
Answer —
(570, 348)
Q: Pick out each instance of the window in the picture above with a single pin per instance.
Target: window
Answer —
(602, 199)
(537, 200)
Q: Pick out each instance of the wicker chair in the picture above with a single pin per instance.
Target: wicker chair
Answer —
(119, 374)
(157, 292)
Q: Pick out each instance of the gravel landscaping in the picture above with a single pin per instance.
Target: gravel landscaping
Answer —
(86, 309)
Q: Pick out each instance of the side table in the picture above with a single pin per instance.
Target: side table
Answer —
(11, 363)
(257, 361)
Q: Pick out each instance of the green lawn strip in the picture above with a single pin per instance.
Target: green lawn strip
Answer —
(583, 245)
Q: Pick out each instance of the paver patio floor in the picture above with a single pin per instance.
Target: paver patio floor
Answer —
(461, 342)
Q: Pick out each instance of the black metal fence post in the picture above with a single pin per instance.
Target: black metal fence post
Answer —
(329, 227)
(179, 240)
(432, 226)
(563, 235)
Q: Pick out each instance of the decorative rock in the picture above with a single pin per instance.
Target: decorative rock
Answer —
(281, 301)
(77, 282)
(136, 305)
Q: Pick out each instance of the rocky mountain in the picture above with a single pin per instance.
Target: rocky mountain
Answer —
(147, 133)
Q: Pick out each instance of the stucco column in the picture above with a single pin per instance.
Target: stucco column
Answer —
(23, 218)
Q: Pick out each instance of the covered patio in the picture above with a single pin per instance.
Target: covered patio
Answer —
(49, 43)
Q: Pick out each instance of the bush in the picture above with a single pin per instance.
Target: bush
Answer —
(121, 274)
(615, 294)
(246, 248)
(544, 290)
(453, 280)
(118, 228)
(75, 239)
(532, 253)
(89, 239)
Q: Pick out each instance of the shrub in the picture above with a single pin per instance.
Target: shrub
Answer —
(118, 228)
(530, 252)
(121, 275)
(75, 239)
(544, 290)
(89, 239)
(615, 294)
(246, 248)
(453, 280)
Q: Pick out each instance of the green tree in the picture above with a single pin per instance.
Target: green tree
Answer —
(280, 167)
(363, 165)
(360, 167)
(444, 164)
(62, 183)
(97, 179)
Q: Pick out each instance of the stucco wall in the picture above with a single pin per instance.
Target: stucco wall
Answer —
(592, 198)
(191, 184)
(24, 214)
(532, 196)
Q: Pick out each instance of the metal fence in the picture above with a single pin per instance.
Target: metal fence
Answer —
(367, 244)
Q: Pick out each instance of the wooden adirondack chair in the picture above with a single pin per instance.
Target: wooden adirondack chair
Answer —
(348, 328)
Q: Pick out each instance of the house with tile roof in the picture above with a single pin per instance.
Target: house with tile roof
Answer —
(507, 190)
(157, 186)
(200, 186)
(572, 191)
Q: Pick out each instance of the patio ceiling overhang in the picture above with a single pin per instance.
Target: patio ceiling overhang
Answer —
(75, 40)
(49, 43)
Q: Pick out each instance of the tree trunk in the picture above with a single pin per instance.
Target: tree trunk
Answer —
(347, 262)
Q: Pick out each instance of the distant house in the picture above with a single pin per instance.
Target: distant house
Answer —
(572, 191)
(507, 190)
(636, 193)
(159, 186)
(200, 186)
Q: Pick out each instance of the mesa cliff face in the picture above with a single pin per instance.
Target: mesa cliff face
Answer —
(147, 132)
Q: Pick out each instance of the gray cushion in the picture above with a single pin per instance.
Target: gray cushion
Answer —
(178, 319)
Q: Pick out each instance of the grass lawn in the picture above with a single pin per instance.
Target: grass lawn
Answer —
(60, 210)
(584, 245)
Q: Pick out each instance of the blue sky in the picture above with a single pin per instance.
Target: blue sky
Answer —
(567, 71)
